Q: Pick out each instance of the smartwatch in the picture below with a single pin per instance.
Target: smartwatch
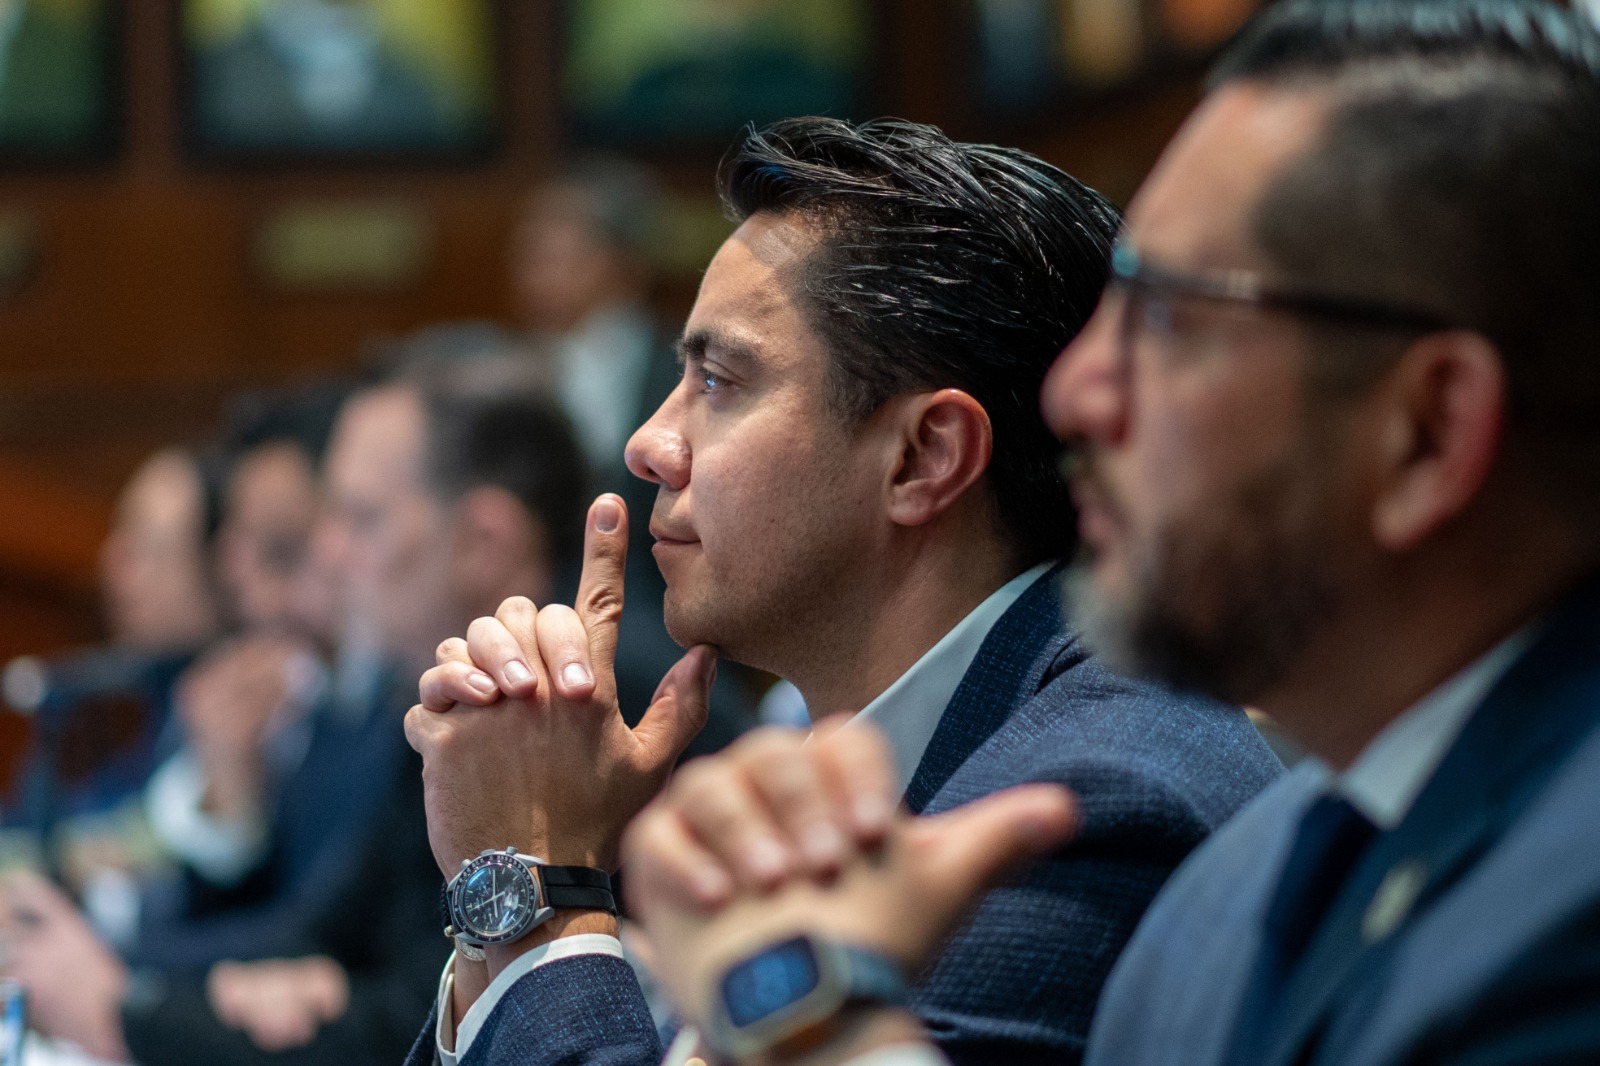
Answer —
(788, 993)
(501, 896)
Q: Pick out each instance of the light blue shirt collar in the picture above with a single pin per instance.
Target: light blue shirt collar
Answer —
(1391, 771)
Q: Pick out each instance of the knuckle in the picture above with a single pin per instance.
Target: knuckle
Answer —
(481, 629)
(603, 601)
(515, 607)
(760, 746)
(698, 784)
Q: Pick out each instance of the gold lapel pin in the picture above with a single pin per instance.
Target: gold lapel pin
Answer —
(1393, 901)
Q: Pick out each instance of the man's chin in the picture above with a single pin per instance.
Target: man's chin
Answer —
(687, 625)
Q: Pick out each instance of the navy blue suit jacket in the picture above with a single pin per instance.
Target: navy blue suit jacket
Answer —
(1154, 772)
(1468, 934)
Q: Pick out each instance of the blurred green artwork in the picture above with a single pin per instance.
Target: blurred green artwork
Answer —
(1031, 54)
(57, 92)
(327, 78)
(650, 72)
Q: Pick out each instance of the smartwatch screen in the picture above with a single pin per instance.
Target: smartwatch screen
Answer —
(782, 975)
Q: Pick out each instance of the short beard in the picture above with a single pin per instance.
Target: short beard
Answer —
(1221, 607)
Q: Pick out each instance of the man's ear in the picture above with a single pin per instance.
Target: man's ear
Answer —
(946, 443)
(499, 545)
(1444, 406)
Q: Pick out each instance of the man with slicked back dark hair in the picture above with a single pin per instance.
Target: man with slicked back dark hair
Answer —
(856, 491)
(1337, 424)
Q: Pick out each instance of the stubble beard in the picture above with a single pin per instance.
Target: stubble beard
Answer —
(1224, 603)
(767, 622)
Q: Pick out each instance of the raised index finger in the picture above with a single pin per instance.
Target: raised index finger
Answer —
(605, 555)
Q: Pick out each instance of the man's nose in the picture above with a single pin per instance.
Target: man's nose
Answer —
(658, 451)
(1085, 394)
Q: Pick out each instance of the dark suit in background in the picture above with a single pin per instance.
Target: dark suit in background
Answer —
(348, 874)
(1470, 933)
(1155, 774)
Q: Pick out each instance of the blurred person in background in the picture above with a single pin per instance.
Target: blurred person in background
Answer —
(581, 280)
(448, 484)
(160, 595)
(242, 706)
(101, 714)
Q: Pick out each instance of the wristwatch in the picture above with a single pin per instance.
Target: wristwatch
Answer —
(787, 994)
(502, 896)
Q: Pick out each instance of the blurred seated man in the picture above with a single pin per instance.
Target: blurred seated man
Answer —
(243, 705)
(1338, 421)
(446, 489)
(855, 490)
(104, 709)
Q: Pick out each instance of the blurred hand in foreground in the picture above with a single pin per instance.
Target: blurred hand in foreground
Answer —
(779, 836)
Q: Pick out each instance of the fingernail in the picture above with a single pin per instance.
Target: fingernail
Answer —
(483, 683)
(517, 673)
(824, 846)
(607, 516)
(575, 675)
(766, 859)
(872, 813)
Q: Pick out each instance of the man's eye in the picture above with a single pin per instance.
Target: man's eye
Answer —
(710, 382)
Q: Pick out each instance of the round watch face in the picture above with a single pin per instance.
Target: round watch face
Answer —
(497, 897)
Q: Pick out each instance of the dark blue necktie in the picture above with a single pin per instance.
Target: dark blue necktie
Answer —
(1332, 837)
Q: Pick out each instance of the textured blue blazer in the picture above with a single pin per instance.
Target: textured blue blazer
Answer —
(1155, 773)
(1490, 954)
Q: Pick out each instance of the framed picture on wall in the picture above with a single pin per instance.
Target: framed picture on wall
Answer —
(60, 91)
(660, 73)
(320, 81)
(1034, 54)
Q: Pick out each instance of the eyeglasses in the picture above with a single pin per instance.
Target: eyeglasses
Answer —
(1149, 291)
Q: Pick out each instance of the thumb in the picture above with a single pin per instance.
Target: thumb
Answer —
(966, 850)
(679, 710)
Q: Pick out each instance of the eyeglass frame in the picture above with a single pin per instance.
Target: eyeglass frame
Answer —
(1246, 288)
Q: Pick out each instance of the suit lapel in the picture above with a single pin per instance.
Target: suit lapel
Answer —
(1528, 724)
(1005, 673)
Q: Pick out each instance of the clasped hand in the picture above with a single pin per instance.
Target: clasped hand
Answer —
(783, 834)
(522, 740)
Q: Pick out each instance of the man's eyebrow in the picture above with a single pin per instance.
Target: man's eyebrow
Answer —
(697, 345)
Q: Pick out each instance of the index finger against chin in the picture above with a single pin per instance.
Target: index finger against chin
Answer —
(605, 556)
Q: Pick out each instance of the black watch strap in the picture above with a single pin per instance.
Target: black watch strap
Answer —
(579, 887)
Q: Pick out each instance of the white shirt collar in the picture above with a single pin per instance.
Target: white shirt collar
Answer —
(909, 710)
(1392, 770)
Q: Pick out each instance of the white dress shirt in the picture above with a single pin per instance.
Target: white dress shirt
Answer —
(907, 712)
